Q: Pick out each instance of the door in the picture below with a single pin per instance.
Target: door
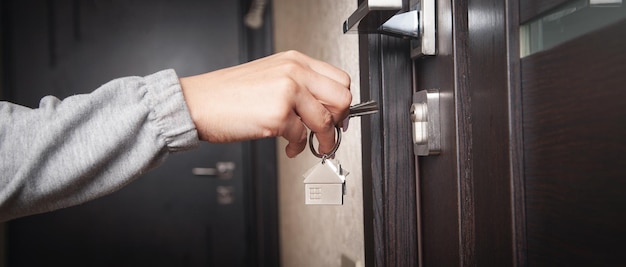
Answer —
(419, 210)
(574, 132)
(169, 216)
(531, 171)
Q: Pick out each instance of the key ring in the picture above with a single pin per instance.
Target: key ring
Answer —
(332, 152)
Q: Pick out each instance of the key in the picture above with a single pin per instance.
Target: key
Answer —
(366, 108)
(357, 110)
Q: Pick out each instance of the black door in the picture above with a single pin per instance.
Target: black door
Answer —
(168, 217)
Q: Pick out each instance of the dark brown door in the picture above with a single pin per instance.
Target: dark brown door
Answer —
(574, 140)
(531, 171)
(453, 209)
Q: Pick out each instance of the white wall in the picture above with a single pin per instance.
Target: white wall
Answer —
(320, 235)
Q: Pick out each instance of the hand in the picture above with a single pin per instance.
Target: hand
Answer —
(274, 96)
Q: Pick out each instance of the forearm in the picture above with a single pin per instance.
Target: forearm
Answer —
(68, 152)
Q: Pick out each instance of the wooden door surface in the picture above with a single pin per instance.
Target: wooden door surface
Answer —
(574, 140)
(531, 171)
(463, 194)
(453, 209)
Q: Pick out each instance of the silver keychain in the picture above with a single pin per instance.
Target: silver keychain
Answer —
(325, 183)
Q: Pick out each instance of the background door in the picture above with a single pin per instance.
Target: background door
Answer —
(531, 170)
(168, 217)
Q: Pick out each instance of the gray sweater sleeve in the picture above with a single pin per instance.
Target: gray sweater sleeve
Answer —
(68, 152)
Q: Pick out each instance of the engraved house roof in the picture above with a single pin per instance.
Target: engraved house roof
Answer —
(325, 173)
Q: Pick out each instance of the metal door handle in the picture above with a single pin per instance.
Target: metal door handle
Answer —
(370, 15)
(380, 16)
(222, 170)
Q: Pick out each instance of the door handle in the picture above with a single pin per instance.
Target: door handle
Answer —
(370, 15)
(222, 170)
(380, 16)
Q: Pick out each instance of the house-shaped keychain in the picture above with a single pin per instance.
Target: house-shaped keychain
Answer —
(324, 184)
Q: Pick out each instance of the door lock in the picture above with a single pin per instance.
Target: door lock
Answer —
(425, 122)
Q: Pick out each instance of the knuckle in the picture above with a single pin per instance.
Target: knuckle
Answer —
(292, 54)
(327, 123)
(269, 132)
(346, 99)
(345, 80)
(287, 87)
(291, 67)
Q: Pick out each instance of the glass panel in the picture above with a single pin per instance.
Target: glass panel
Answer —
(567, 22)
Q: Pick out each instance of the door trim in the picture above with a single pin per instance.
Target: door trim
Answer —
(516, 149)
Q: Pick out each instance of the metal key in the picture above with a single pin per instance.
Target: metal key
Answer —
(365, 108)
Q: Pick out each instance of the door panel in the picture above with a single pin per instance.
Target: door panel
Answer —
(531, 171)
(463, 196)
(574, 140)
(168, 217)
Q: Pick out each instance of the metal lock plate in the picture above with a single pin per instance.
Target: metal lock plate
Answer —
(425, 123)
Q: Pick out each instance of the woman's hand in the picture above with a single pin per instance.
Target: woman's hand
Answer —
(274, 96)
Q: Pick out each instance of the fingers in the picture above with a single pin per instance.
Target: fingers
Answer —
(329, 85)
(327, 97)
(318, 119)
(334, 96)
(295, 133)
(323, 68)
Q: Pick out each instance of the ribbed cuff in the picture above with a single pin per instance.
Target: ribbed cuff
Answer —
(170, 111)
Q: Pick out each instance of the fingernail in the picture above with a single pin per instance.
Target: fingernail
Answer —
(344, 124)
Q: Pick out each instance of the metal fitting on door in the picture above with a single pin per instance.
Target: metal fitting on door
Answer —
(381, 16)
(425, 121)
